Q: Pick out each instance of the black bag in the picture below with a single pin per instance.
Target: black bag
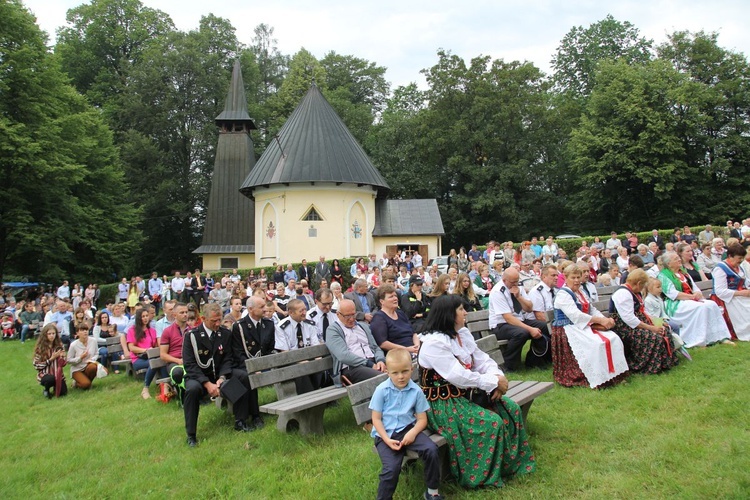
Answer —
(232, 390)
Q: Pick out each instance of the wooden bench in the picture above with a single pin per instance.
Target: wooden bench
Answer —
(115, 347)
(521, 392)
(280, 370)
(479, 325)
(706, 287)
(155, 362)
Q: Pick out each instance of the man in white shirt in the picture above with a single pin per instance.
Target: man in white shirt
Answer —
(63, 292)
(155, 291)
(542, 296)
(613, 243)
(507, 321)
(296, 332)
(167, 319)
(178, 287)
(321, 315)
(416, 259)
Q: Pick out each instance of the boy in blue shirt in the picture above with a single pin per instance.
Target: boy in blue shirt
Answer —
(398, 417)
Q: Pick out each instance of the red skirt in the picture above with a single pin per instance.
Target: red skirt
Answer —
(565, 368)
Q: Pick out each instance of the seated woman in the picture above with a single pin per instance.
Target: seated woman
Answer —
(389, 326)
(729, 287)
(688, 265)
(487, 441)
(49, 359)
(647, 256)
(584, 350)
(415, 304)
(82, 357)
(440, 286)
(705, 260)
(465, 290)
(104, 329)
(141, 337)
(648, 348)
(701, 320)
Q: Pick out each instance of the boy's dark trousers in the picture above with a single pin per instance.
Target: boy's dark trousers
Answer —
(391, 459)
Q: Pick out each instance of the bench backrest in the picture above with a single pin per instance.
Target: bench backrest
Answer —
(285, 366)
(154, 358)
(113, 345)
(706, 287)
(478, 323)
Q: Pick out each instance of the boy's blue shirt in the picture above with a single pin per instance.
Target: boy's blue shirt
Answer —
(398, 406)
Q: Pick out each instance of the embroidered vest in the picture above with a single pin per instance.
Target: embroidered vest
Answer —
(734, 280)
(560, 318)
(636, 302)
(436, 387)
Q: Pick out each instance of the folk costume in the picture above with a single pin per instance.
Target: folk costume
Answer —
(727, 280)
(485, 444)
(702, 322)
(581, 355)
(645, 351)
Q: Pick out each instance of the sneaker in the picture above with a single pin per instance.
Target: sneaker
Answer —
(145, 394)
(427, 496)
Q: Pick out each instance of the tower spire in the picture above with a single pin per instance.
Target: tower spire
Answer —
(235, 107)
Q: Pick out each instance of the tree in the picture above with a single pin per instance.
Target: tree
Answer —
(582, 49)
(629, 153)
(104, 40)
(272, 68)
(304, 70)
(62, 213)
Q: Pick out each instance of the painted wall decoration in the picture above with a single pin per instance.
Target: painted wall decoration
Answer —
(356, 230)
(270, 230)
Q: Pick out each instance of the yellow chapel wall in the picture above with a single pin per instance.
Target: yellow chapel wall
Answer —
(212, 261)
(347, 210)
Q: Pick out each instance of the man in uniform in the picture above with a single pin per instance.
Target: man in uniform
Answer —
(206, 352)
(507, 321)
(322, 315)
(296, 332)
(542, 296)
(252, 336)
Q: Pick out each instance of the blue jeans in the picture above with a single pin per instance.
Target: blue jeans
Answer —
(140, 364)
(24, 331)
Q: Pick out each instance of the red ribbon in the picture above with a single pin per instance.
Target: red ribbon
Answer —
(608, 348)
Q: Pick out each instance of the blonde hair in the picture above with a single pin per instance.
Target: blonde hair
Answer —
(398, 355)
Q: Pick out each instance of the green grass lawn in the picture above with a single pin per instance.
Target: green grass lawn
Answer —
(683, 434)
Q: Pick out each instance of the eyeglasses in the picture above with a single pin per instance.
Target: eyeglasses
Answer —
(326, 303)
(347, 316)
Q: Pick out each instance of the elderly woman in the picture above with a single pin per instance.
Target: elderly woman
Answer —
(729, 287)
(705, 260)
(487, 442)
(646, 255)
(390, 327)
(701, 320)
(688, 265)
(415, 303)
(648, 348)
(584, 350)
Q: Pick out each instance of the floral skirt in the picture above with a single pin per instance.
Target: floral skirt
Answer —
(485, 446)
(646, 352)
(565, 368)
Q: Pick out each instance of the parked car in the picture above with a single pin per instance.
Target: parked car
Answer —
(441, 261)
(566, 236)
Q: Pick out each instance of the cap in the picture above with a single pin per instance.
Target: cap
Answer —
(415, 280)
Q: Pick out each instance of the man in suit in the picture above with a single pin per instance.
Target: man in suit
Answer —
(198, 284)
(363, 301)
(655, 238)
(305, 272)
(252, 336)
(322, 271)
(206, 352)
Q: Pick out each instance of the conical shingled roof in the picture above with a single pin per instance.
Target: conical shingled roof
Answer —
(235, 107)
(314, 145)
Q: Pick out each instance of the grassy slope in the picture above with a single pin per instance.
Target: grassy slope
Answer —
(680, 434)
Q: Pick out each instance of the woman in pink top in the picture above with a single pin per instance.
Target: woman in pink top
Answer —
(141, 337)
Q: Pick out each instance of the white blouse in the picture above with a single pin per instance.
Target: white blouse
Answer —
(721, 288)
(567, 305)
(623, 300)
(441, 353)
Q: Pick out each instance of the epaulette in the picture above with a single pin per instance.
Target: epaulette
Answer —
(309, 321)
(284, 323)
(312, 313)
(502, 289)
(540, 288)
(333, 311)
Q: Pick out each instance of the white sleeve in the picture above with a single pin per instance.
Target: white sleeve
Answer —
(624, 304)
(565, 303)
(435, 353)
(668, 288)
(483, 363)
(720, 285)
(537, 301)
(281, 343)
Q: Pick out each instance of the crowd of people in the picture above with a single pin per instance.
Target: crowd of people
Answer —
(396, 311)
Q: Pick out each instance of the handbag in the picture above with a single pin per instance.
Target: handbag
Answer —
(101, 370)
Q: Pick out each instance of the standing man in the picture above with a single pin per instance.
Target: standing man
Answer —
(155, 290)
(63, 291)
(305, 272)
(207, 355)
(178, 287)
(321, 315)
(508, 303)
(656, 238)
(252, 336)
(122, 291)
(188, 293)
(198, 284)
(322, 271)
(356, 355)
(706, 236)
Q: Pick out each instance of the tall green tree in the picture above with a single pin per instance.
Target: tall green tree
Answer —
(272, 67)
(304, 70)
(630, 152)
(63, 213)
(104, 40)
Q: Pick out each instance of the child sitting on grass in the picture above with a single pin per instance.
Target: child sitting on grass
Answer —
(9, 329)
(654, 306)
(399, 416)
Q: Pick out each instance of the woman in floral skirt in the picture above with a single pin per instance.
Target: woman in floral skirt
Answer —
(485, 432)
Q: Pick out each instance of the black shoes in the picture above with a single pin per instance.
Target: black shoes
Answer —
(192, 441)
(258, 422)
(241, 425)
